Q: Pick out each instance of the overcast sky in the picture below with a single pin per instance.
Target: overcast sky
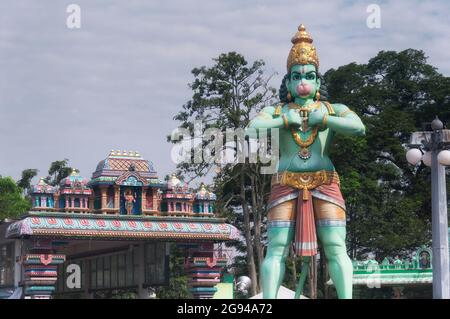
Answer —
(117, 82)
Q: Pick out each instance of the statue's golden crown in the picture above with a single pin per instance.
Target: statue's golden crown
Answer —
(302, 51)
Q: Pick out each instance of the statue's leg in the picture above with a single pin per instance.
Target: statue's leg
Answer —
(331, 231)
(339, 264)
(280, 235)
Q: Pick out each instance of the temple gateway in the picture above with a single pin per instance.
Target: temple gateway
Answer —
(85, 238)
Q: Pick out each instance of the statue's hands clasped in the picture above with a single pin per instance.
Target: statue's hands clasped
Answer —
(293, 118)
(316, 117)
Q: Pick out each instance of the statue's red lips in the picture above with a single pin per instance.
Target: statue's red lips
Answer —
(304, 90)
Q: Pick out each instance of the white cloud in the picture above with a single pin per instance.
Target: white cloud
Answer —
(119, 80)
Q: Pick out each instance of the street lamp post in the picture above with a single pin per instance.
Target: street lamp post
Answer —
(435, 143)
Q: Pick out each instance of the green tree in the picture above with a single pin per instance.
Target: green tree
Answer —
(12, 202)
(178, 281)
(58, 171)
(225, 96)
(388, 201)
(25, 181)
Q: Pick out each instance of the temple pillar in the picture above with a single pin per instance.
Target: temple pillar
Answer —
(204, 270)
(86, 202)
(67, 202)
(32, 263)
(142, 292)
(91, 202)
(117, 198)
(155, 199)
(56, 198)
(103, 194)
(18, 269)
(143, 198)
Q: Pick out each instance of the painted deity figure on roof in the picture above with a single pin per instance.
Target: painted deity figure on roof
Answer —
(130, 200)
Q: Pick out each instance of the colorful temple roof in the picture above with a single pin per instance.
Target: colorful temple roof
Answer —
(119, 163)
(123, 200)
(42, 187)
(204, 194)
(74, 179)
(178, 189)
(75, 184)
(117, 227)
(176, 185)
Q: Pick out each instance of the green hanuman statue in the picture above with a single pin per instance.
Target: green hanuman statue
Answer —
(306, 204)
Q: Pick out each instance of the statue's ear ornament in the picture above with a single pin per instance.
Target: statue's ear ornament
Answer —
(289, 96)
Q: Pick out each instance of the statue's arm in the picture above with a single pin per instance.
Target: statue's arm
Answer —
(345, 121)
(266, 119)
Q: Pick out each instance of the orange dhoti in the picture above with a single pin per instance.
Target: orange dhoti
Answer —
(304, 201)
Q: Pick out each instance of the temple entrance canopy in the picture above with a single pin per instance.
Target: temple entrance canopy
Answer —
(123, 207)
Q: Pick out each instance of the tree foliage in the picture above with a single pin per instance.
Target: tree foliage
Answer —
(225, 96)
(58, 171)
(178, 287)
(25, 180)
(12, 202)
(388, 201)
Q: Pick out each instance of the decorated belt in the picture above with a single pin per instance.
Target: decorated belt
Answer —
(305, 180)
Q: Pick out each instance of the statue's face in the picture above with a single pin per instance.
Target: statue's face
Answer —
(303, 81)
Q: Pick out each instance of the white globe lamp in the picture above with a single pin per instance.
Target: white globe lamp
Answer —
(426, 159)
(444, 158)
(413, 156)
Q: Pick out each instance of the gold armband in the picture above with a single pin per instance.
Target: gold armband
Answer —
(278, 110)
(345, 113)
(285, 121)
(325, 121)
(329, 108)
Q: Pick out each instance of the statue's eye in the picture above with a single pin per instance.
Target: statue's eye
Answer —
(296, 77)
(310, 76)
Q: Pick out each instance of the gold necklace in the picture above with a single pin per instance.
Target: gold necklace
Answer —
(314, 105)
(304, 152)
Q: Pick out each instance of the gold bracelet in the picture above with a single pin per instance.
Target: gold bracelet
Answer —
(325, 120)
(285, 121)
